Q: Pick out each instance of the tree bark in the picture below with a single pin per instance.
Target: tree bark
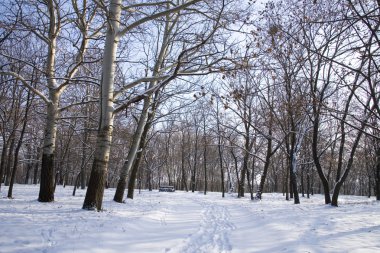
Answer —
(205, 154)
(340, 182)
(377, 179)
(9, 163)
(266, 167)
(95, 190)
(138, 159)
(194, 171)
(18, 147)
(46, 193)
(130, 161)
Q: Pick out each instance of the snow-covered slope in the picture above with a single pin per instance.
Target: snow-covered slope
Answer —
(186, 222)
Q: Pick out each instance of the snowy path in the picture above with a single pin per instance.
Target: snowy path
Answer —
(213, 232)
(183, 222)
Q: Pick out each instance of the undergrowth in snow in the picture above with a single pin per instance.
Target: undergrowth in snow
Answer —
(186, 222)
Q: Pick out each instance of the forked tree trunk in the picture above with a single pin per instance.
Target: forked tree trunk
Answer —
(95, 190)
(318, 166)
(137, 160)
(342, 179)
(137, 138)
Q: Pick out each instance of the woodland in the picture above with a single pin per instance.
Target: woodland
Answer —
(249, 97)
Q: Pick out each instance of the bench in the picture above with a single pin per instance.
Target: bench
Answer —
(166, 189)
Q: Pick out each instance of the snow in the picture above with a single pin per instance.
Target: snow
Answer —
(186, 222)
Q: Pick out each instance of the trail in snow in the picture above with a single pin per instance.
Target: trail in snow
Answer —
(213, 232)
(186, 222)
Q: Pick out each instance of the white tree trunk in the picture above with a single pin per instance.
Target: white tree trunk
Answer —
(132, 152)
(95, 190)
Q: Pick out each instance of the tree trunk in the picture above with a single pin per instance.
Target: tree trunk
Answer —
(183, 172)
(18, 147)
(46, 193)
(130, 161)
(205, 153)
(95, 190)
(220, 150)
(266, 167)
(377, 179)
(308, 185)
(287, 183)
(250, 187)
(242, 179)
(339, 184)
(8, 167)
(76, 184)
(236, 169)
(2, 163)
(194, 171)
(302, 182)
(138, 159)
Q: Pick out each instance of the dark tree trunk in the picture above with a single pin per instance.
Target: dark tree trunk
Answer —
(194, 171)
(241, 181)
(77, 182)
(266, 167)
(290, 182)
(249, 184)
(220, 153)
(244, 170)
(221, 165)
(8, 167)
(302, 183)
(47, 179)
(369, 187)
(377, 179)
(293, 180)
(134, 170)
(308, 185)
(205, 154)
(287, 184)
(2, 163)
(94, 194)
(236, 170)
(339, 184)
(121, 185)
(19, 143)
(183, 172)
(150, 180)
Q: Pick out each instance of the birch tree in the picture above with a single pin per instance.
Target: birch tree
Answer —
(94, 194)
(46, 22)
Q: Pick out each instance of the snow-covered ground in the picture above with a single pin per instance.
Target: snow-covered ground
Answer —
(186, 222)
